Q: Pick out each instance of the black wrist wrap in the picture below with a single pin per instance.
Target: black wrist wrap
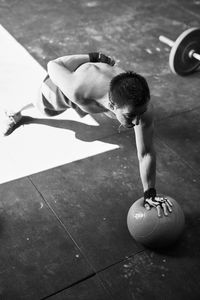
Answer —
(94, 56)
(150, 193)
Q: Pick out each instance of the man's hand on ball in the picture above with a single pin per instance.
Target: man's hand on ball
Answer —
(159, 203)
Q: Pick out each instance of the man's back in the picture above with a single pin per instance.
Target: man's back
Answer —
(92, 82)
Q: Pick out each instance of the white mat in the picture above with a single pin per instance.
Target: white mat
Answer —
(34, 148)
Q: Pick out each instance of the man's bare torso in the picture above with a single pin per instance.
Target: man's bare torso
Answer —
(92, 82)
(92, 86)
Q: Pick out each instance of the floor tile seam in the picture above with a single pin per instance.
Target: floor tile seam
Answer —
(187, 10)
(105, 287)
(159, 120)
(178, 155)
(69, 286)
(62, 225)
(99, 272)
(96, 273)
(119, 261)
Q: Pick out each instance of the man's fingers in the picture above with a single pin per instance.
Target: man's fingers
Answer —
(161, 204)
(164, 206)
(152, 203)
(168, 207)
(163, 199)
(159, 210)
(169, 202)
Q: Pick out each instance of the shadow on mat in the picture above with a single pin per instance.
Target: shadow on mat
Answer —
(84, 132)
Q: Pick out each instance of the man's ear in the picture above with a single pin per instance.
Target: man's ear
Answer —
(111, 105)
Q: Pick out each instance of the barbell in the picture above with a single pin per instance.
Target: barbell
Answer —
(184, 56)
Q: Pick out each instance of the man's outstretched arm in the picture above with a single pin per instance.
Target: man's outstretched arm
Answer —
(62, 70)
(72, 62)
(146, 153)
(147, 165)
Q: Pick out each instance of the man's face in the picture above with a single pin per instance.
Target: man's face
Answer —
(130, 116)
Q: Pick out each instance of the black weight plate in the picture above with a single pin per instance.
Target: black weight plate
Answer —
(179, 60)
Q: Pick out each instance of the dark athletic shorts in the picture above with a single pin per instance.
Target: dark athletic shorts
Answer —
(52, 101)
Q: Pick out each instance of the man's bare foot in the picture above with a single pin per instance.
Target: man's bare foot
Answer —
(9, 122)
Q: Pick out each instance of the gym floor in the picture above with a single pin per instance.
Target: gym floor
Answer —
(63, 231)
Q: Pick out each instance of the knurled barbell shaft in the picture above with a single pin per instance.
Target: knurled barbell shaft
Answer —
(166, 41)
(170, 43)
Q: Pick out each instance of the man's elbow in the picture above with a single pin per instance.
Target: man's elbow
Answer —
(147, 154)
(50, 64)
(53, 70)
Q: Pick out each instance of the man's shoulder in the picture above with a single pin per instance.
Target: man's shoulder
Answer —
(85, 74)
(86, 68)
(91, 81)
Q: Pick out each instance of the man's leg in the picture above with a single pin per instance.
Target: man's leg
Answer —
(11, 119)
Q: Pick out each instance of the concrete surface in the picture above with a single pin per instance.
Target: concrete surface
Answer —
(63, 230)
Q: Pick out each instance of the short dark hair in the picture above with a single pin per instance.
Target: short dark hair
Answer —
(129, 88)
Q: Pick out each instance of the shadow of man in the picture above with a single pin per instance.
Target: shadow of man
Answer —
(83, 132)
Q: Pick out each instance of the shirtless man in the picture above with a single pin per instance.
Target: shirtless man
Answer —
(91, 83)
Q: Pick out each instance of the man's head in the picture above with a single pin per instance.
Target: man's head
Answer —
(129, 97)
